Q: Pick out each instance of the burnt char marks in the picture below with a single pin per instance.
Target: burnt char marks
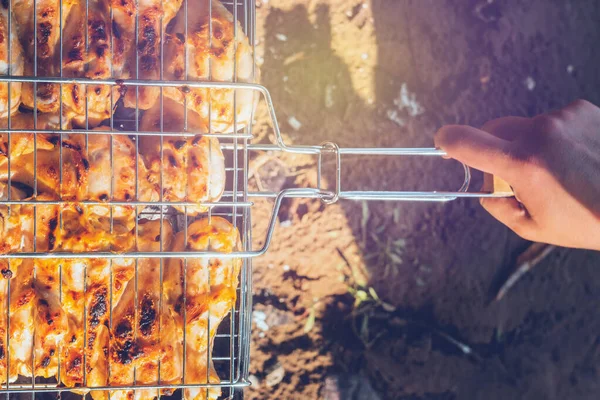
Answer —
(148, 63)
(99, 35)
(127, 353)
(52, 225)
(148, 316)
(47, 92)
(179, 144)
(124, 349)
(98, 30)
(99, 307)
(123, 330)
(116, 31)
(75, 94)
(44, 33)
(45, 362)
(172, 161)
(75, 54)
(196, 140)
(149, 39)
(72, 146)
(194, 161)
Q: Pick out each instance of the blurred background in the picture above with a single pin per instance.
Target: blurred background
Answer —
(398, 300)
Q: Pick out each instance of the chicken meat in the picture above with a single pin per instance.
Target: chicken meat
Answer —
(135, 333)
(51, 324)
(151, 324)
(153, 17)
(200, 157)
(40, 36)
(22, 326)
(87, 106)
(223, 55)
(209, 287)
(10, 63)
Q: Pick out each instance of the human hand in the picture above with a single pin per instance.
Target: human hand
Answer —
(552, 162)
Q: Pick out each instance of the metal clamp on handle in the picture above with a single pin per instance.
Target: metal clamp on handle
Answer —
(331, 147)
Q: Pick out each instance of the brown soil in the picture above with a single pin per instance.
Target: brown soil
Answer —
(337, 67)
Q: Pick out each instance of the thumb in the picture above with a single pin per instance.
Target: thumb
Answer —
(512, 214)
(478, 149)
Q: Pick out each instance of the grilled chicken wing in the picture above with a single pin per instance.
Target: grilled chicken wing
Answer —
(150, 322)
(148, 63)
(135, 336)
(123, 166)
(40, 42)
(87, 283)
(73, 293)
(123, 24)
(97, 320)
(94, 101)
(51, 323)
(13, 63)
(60, 174)
(210, 292)
(21, 330)
(200, 157)
(224, 56)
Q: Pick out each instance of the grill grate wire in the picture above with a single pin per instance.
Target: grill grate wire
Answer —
(231, 347)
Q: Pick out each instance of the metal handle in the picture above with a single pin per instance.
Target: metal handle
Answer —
(327, 196)
(328, 147)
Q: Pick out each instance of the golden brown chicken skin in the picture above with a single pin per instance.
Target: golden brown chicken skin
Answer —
(10, 96)
(200, 157)
(146, 63)
(210, 293)
(221, 55)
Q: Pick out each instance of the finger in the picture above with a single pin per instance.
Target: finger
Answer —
(509, 128)
(477, 149)
(512, 214)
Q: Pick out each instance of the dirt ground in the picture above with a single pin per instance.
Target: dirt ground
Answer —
(390, 73)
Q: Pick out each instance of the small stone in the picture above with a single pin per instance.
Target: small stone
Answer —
(259, 319)
(281, 37)
(329, 89)
(285, 78)
(529, 83)
(294, 123)
(286, 268)
(331, 389)
(275, 375)
(364, 56)
(285, 224)
(395, 117)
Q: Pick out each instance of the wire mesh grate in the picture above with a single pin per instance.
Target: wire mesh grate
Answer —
(148, 274)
